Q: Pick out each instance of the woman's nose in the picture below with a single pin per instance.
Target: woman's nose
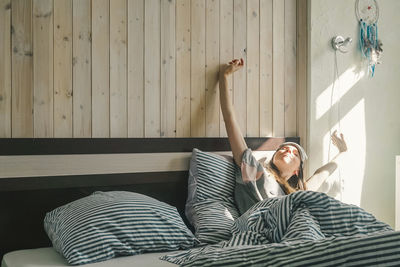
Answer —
(290, 150)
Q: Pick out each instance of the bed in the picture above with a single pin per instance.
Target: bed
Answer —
(302, 229)
(157, 167)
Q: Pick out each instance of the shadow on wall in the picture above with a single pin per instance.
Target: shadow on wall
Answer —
(368, 107)
(364, 109)
(341, 107)
(346, 105)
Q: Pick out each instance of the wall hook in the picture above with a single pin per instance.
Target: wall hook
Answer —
(339, 43)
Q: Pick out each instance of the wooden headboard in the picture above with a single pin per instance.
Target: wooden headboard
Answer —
(38, 175)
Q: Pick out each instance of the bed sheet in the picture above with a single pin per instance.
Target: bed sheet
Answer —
(301, 229)
(48, 257)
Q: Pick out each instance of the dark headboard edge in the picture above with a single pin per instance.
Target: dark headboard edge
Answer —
(50, 146)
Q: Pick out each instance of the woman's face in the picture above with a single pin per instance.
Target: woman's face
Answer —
(287, 160)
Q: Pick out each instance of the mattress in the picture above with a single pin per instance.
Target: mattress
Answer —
(50, 258)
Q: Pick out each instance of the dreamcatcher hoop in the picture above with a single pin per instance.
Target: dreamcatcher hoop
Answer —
(368, 11)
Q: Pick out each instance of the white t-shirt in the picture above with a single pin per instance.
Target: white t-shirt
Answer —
(254, 183)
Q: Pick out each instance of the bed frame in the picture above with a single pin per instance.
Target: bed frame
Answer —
(38, 175)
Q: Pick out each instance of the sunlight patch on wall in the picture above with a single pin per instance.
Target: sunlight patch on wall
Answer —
(346, 183)
(335, 91)
(353, 170)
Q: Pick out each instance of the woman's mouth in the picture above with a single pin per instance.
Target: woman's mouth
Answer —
(288, 155)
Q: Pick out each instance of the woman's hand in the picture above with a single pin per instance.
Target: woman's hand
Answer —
(322, 173)
(233, 66)
(339, 142)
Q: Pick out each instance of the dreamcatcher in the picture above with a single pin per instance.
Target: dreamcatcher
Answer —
(367, 12)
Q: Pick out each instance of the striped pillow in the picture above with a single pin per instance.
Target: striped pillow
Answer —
(210, 206)
(106, 225)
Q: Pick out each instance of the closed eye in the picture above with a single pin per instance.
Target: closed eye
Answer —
(295, 151)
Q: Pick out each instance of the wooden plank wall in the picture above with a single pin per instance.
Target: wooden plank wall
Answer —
(149, 68)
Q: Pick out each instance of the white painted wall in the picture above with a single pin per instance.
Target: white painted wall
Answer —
(369, 110)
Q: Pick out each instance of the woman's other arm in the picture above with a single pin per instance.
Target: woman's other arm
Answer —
(235, 136)
(321, 174)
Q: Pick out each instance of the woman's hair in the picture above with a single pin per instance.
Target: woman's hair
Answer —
(295, 183)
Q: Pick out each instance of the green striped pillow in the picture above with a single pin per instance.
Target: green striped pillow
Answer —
(106, 225)
(210, 206)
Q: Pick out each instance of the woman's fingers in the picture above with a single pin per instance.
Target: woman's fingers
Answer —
(233, 65)
(334, 135)
(237, 61)
(339, 142)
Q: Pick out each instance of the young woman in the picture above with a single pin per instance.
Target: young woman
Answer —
(284, 172)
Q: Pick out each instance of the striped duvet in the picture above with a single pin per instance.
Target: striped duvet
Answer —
(302, 229)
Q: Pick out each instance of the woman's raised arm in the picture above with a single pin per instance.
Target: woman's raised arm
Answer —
(235, 136)
(322, 173)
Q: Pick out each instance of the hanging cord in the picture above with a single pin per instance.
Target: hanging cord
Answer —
(335, 78)
(339, 98)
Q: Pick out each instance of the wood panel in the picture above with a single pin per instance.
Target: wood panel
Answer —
(212, 68)
(81, 62)
(266, 70)
(239, 51)
(62, 68)
(197, 74)
(152, 68)
(253, 68)
(100, 68)
(118, 69)
(22, 68)
(278, 68)
(168, 112)
(290, 68)
(5, 68)
(301, 77)
(183, 46)
(135, 68)
(43, 68)
(226, 48)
